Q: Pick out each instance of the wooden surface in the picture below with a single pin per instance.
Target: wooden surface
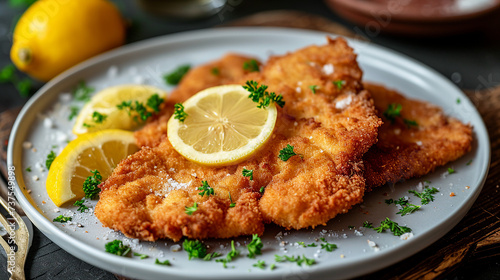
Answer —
(475, 239)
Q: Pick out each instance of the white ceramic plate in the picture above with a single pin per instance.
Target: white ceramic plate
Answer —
(146, 62)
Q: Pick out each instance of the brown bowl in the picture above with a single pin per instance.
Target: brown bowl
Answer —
(417, 17)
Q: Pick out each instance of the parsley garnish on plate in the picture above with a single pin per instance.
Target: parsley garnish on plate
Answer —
(215, 71)
(179, 113)
(230, 256)
(255, 246)
(62, 219)
(426, 195)
(451, 170)
(299, 260)
(141, 112)
(469, 162)
(327, 246)
(251, 65)
(394, 227)
(165, 262)
(28, 168)
(73, 112)
(303, 244)
(116, 247)
(339, 84)
(459, 101)
(286, 153)
(313, 88)
(367, 224)
(260, 95)
(173, 78)
(408, 209)
(260, 264)
(81, 206)
(247, 173)
(205, 189)
(141, 256)
(211, 256)
(192, 209)
(91, 184)
(82, 92)
(50, 158)
(98, 117)
(194, 248)
(393, 111)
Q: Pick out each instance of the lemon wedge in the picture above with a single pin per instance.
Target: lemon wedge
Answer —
(109, 116)
(223, 126)
(100, 151)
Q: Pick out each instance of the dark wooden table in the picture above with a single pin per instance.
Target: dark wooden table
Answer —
(471, 250)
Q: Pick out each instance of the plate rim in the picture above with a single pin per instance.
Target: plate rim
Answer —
(101, 258)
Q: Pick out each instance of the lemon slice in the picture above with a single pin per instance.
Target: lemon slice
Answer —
(223, 126)
(105, 103)
(100, 151)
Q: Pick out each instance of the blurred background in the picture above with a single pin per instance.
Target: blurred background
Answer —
(458, 38)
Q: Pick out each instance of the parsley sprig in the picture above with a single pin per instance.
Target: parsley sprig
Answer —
(91, 184)
(194, 248)
(299, 260)
(394, 227)
(260, 264)
(251, 65)
(247, 173)
(81, 207)
(165, 262)
(287, 152)
(327, 246)
(116, 247)
(179, 113)
(62, 219)
(50, 158)
(260, 95)
(255, 246)
(82, 92)
(230, 256)
(393, 111)
(141, 256)
(206, 189)
(191, 209)
(426, 195)
(173, 78)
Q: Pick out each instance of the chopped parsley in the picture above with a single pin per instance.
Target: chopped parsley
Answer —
(98, 117)
(73, 112)
(367, 224)
(179, 113)
(81, 206)
(165, 262)
(286, 153)
(273, 266)
(173, 78)
(262, 189)
(313, 88)
(469, 162)
(299, 260)
(116, 247)
(62, 219)
(154, 102)
(247, 173)
(426, 195)
(205, 189)
(211, 256)
(230, 256)
(251, 65)
(303, 244)
(82, 92)
(28, 168)
(194, 248)
(394, 227)
(260, 95)
(402, 201)
(339, 84)
(260, 264)
(141, 112)
(393, 111)
(192, 209)
(255, 246)
(451, 170)
(141, 256)
(232, 204)
(410, 123)
(91, 184)
(215, 71)
(329, 247)
(459, 101)
(408, 209)
(50, 158)
(7, 73)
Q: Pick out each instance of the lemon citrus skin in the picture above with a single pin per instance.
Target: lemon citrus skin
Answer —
(53, 35)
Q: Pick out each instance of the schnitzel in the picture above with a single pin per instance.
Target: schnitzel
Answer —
(328, 119)
(413, 143)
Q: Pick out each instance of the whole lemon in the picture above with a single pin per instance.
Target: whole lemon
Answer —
(53, 35)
